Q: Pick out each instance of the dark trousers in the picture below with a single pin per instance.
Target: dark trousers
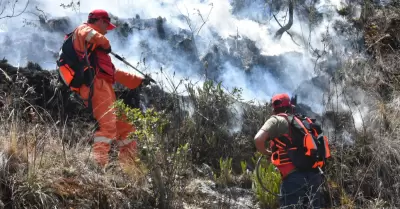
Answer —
(306, 186)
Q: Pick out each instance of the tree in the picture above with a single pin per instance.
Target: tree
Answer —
(285, 28)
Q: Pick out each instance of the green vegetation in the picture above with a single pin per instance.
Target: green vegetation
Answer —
(199, 148)
(271, 179)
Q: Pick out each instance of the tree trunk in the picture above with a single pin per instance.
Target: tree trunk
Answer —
(283, 29)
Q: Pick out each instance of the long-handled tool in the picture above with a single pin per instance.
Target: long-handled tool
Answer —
(124, 61)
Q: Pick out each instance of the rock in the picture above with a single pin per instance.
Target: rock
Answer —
(156, 26)
(201, 187)
(205, 171)
(160, 27)
(59, 25)
(177, 48)
(203, 193)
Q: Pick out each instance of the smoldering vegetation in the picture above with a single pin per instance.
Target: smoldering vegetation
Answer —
(207, 150)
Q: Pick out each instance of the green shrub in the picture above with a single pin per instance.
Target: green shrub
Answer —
(271, 179)
(208, 130)
(225, 176)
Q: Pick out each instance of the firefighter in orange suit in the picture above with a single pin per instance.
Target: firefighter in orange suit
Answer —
(89, 38)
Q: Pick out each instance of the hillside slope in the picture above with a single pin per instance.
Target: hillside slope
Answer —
(204, 157)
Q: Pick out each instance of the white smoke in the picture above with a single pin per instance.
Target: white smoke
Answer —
(22, 43)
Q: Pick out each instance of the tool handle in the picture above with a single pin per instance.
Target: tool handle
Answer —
(118, 57)
(124, 61)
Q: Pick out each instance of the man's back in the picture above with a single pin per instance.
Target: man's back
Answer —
(296, 185)
(276, 126)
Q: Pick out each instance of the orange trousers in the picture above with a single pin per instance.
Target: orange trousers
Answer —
(110, 128)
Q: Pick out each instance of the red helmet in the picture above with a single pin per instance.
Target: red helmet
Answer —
(102, 14)
(280, 100)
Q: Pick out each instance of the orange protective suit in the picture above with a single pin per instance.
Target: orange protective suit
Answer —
(111, 128)
(92, 35)
(103, 96)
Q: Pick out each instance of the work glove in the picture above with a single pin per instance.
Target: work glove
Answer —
(147, 80)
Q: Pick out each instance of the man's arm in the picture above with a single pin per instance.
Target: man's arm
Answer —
(267, 131)
(260, 139)
(87, 33)
(128, 80)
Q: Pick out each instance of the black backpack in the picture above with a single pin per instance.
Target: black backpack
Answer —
(78, 71)
(306, 146)
(68, 57)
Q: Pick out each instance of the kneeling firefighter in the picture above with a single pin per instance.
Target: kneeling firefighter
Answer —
(299, 151)
(86, 68)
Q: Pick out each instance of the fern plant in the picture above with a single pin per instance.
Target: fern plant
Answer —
(225, 177)
(271, 179)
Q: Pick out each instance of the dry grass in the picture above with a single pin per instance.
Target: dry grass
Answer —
(369, 87)
(53, 166)
(40, 173)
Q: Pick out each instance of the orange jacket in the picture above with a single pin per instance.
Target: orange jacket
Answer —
(91, 34)
(108, 72)
(126, 79)
(105, 67)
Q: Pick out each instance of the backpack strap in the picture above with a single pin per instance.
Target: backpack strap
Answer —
(92, 75)
(308, 142)
(289, 118)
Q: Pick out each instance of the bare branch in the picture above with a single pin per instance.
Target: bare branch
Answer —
(291, 36)
(379, 40)
(13, 10)
(187, 18)
(283, 29)
(284, 17)
(193, 28)
(37, 8)
(204, 21)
